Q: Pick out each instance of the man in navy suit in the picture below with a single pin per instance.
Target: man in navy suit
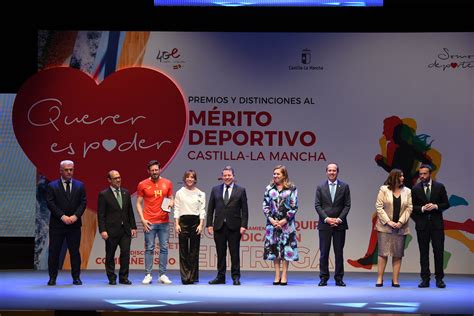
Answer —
(117, 226)
(333, 201)
(66, 199)
(429, 200)
(227, 219)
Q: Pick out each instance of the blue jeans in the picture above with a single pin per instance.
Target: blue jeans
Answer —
(163, 233)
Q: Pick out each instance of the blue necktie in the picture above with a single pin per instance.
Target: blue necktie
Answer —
(332, 189)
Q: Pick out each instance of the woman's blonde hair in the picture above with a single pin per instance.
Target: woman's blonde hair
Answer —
(287, 184)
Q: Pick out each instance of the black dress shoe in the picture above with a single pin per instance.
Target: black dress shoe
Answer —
(395, 284)
(276, 282)
(424, 283)
(236, 282)
(340, 283)
(284, 283)
(52, 281)
(440, 284)
(112, 282)
(217, 281)
(77, 281)
(125, 281)
(186, 282)
(323, 283)
(379, 284)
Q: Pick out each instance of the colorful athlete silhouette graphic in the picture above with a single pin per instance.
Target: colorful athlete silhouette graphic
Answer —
(403, 149)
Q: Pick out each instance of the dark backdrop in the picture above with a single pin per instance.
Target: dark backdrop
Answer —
(21, 20)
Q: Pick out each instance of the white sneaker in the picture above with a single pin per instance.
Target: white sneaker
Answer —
(164, 279)
(147, 279)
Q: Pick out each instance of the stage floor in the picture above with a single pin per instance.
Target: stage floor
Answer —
(27, 290)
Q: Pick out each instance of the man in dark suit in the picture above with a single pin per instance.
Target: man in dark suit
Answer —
(227, 219)
(429, 200)
(66, 199)
(116, 226)
(333, 201)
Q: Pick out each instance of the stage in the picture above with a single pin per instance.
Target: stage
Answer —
(27, 290)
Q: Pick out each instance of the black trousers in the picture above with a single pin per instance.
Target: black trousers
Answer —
(123, 241)
(339, 239)
(222, 238)
(189, 243)
(436, 236)
(72, 235)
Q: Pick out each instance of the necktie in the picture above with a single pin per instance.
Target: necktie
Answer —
(119, 197)
(428, 191)
(226, 194)
(68, 187)
(333, 191)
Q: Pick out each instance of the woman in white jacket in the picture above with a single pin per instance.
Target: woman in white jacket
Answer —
(394, 207)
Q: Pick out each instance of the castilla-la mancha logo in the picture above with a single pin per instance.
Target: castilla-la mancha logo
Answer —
(453, 61)
(305, 62)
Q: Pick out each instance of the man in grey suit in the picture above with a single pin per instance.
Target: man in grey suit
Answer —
(227, 219)
(117, 226)
(333, 201)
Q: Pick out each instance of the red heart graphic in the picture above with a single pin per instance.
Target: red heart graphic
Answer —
(135, 115)
(454, 65)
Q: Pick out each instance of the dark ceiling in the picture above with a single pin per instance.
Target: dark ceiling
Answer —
(18, 33)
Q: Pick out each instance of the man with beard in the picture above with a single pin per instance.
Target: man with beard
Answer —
(430, 200)
(150, 195)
